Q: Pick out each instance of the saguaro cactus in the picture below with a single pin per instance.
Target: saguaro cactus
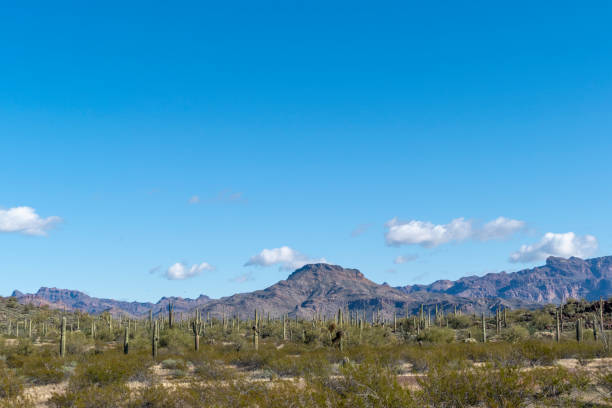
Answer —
(505, 318)
(558, 337)
(256, 332)
(196, 326)
(497, 321)
(63, 337)
(484, 329)
(170, 315)
(126, 339)
(579, 334)
(155, 339)
(284, 327)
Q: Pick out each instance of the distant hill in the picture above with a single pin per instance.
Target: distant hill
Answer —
(75, 300)
(559, 279)
(323, 288)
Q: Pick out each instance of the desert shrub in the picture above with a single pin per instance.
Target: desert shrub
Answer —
(24, 347)
(211, 370)
(108, 368)
(371, 385)
(450, 388)
(515, 333)
(555, 382)
(437, 335)
(11, 386)
(498, 386)
(459, 321)
(305, 365)
(11, 390)
(541, 320)
(603, 379)
(175, 340)
(93, 396)
(505, 387)
(310, 337)
(78, 343)
(158, 396)
(172, 364)
(43, 369)
(252, 360)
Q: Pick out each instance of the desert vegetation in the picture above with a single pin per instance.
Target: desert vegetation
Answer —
(553, 356)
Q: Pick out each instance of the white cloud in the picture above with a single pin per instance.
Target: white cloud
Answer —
(500, 228)
(24, 220)
(427, 234)
(551, 244)
(286, 257)
(194, 199)
(405, 258)
(180, 271)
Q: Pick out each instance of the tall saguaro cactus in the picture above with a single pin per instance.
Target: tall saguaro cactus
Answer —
(484, 329)
(284, 327)
(126, 339)
(155, 339)
(558, 337)
(497, 321)
(579, 334)
(63, 337)
(170, 315)
(256, 332)
(196, 326)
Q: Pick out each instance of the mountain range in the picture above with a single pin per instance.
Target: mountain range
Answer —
(324, 288)
(554, 282)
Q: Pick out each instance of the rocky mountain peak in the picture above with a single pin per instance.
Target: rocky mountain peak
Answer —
(325, 272)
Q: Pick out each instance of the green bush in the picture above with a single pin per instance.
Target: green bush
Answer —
(108, 368)
(459, 322)
(515, 333)
(43, 369)
(11, 385)
(437, 335)
(94, 396)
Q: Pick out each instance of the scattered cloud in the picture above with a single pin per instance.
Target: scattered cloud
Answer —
(180, 271)
(285, 257)
(360, 229)
(245, 277)
(425, 233)
(194, 199)
(500, 228)
(405, 258)
(563, 245)
(428, 235)
(24, 220)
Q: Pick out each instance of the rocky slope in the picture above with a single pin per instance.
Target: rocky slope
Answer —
(559, 279)
(324, 288)
(75, 300)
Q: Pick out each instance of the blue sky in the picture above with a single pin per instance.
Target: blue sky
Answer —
(209, 148)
